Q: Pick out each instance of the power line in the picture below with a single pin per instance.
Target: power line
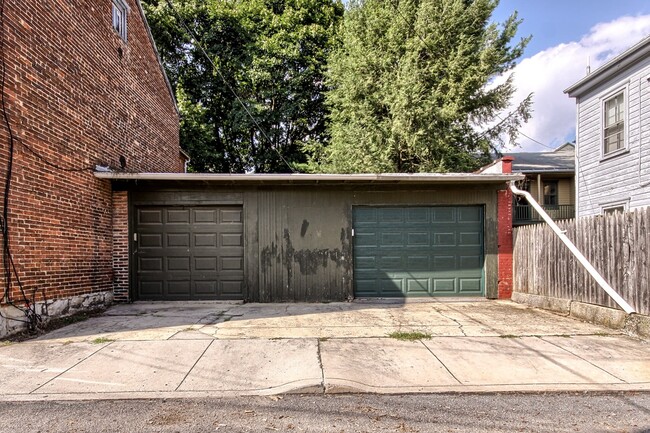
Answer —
(536, 141)
(197, 42)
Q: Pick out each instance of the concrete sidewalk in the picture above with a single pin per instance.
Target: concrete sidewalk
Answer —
(147, 350)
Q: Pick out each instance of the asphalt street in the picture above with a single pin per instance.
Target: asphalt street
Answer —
(352, 413)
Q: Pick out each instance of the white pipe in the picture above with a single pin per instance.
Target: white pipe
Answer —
(576, 252)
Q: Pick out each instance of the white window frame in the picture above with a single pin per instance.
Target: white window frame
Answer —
(603, 119)
(119, 11)
(609, 207)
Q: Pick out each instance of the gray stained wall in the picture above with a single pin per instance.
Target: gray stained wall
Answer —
(298, 238)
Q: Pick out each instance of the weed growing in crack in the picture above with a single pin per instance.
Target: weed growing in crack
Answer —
(409, 336)
(101, 340)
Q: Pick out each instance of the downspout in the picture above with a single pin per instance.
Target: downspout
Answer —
(576, 252)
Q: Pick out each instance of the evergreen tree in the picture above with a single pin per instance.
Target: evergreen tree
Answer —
(412, 87)
(257, 99)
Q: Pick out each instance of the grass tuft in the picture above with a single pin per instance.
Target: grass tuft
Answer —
(409, 336)
(101, 340)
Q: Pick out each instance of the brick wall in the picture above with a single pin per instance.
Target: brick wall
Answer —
(77, 95)
(121, 246)
(504, 203)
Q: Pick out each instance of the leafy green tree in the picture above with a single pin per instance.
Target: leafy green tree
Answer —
(257, 99)
(413, 90)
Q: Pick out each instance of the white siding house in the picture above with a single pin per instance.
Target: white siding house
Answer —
(613, 134)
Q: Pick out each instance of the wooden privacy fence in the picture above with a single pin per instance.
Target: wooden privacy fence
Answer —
(616, 245)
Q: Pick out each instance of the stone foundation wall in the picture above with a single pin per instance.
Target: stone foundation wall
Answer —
(53, 309)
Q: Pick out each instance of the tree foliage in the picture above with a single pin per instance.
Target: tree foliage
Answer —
(413, 87)
(257, 99)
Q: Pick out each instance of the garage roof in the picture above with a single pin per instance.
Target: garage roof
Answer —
(278, 179)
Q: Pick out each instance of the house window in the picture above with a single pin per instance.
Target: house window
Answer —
(614, 207)
(119, 18)
(550, 193)
(614, 128)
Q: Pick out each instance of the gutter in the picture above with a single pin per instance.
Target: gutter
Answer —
(575, 251)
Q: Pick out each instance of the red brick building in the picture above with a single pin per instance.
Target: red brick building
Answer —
(83, 87)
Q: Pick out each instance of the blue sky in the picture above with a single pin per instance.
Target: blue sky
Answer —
(552, 22)
(567, 35)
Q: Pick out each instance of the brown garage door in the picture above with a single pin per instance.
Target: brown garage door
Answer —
(189, 253)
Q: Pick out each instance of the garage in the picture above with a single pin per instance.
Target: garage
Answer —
(418, 251)
(189, 252)
(308, 237)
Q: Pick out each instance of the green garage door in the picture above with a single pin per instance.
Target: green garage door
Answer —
(418, 251)
(189, 253)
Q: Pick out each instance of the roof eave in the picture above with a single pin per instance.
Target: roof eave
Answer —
(616, 65)
(312, 178)
(160, 63)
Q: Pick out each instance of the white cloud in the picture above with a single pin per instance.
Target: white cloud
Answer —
(549, 72)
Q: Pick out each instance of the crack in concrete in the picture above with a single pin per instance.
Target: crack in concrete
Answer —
(320, 365)
(460, 325)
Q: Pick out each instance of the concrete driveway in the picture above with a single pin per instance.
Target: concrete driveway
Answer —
(177, 349)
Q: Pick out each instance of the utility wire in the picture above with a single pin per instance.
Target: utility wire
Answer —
(31, 318)
(199, 44)
(54, 165)
(536, 141)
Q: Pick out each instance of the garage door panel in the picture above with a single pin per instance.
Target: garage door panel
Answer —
(391, 286)
(151, 240)
(152, 288)
(418, 251)
(444, 263)
(444, 239)
(206, 288)
(365, 239)
(470, 285)
(178, 240)
(178, 216)
(392, 239)
(444, 286)
(230, 216)
(444, 215)
(185, 253)
(232, 288)
(470, 214)
(205, 264)
(150, 264)
(178, 288)
(149, 217)
(418, 263)
(205, 240)
(391, 263)
(418, 216)
(416, 239)
(415, 286)
(470, 238)
(178, 264)
(204, 216)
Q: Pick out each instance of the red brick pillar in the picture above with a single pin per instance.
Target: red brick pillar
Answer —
(504, 204)
(120, 246)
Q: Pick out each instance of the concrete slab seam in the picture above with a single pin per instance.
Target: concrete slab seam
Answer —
(440, 361)
(194, 365)
(69, 368)
(580, 357)
(320, 364)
